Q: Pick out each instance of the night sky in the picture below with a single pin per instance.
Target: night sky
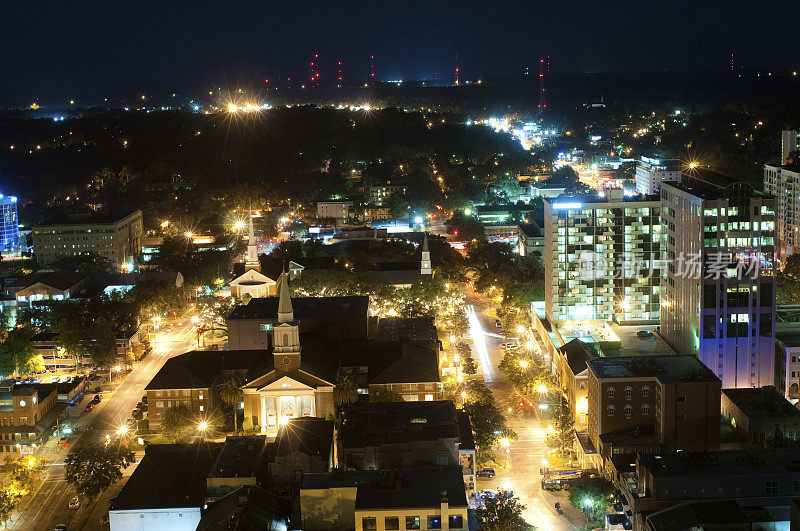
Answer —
(74, 49)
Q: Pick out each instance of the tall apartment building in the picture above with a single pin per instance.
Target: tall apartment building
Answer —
(380, 193)
(788, 144)
(718, 294)
(9, 224)
(783, 182)
(651, 172)
(109, 235)
(603, 257)
(652, 404)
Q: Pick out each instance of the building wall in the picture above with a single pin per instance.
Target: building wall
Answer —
(792, 376)
(184, 519)
(702, 316)
(9, 225)
(602, 260)
(118, 241)
(758, 428)
(685, 416)
(784, 184)
(380, 516)
(411, 392)
(158, 401)
(21, 416)
(339, 210)
(322, 508)
(254, 334)
(283, 470)
(650, 173)
(414, 454)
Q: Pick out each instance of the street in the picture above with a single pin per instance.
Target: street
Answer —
(524, 457)
(47, 506)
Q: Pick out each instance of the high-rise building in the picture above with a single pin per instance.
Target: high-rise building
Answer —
(651, 172)
(9, 224)
(788, 144)
(602, 258)
(718, 293)
(112, 236)
(783, 181)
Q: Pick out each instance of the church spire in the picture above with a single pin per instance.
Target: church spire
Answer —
(425, 261)
(251, 259)
(285, 310)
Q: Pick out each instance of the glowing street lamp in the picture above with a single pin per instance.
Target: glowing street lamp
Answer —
(542, 388)
(523, 364)
(203, 426)
(122, 430)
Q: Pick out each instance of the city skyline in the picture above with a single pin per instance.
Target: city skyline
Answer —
(118, 48)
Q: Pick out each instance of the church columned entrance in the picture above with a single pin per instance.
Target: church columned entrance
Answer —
(275, 408)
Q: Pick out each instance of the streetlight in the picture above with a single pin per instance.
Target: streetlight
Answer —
(203, 426)
(523, 363)
(122, 430)
(542, 389)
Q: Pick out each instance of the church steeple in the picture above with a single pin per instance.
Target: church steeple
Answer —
(286, 334)
(285, 310)
(425, 262)
(251, 259)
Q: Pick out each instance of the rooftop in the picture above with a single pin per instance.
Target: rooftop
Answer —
(308, 435)
(577, 354)
(531, 230)
(377, 423)
(305, 308)
(240, 457)
(722, 463)
(61, 280)
(169, 476)
(88, 218)
(246, 508)
(761, 402)
(716, 514)
(789, 339)
(417, 488)
(407, 329)
(710, 185)
(667, 369)
(199, 369)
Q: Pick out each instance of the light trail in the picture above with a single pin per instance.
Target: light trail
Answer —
(478, 336)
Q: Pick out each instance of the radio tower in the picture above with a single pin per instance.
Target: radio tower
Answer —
(372, 69)
(542, 101)
(733, 65)
(339, 76)
(313, 68)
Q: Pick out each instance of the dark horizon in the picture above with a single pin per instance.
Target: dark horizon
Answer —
(67, 50)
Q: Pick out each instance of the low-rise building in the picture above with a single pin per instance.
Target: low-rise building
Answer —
(531, 239)
(652, 171)
(383, 500)
(117, 237)
(27, 415)
(302, 446)
(56, 286)
(652, 403)
(242, 462)
(787, 349)
(407, 435)
(767, 479)
(245, 509)
(758, 414)
(379, 194)
(336, 210)
(573, 377)
(167, 490)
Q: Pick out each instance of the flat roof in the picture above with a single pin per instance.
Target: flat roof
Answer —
(88, 218)
(240, 457)
(761, 402)
(416, 488)
(789, 339)
(305, 308)
(379, 423)
(667, 369)
(722, 463)
(169, 476)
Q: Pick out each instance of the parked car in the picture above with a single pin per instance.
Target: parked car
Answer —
(644, 334)
(60, 527)
(75, 502)
(486, 473)
(497, 323)
(89, 406)
(97, 398)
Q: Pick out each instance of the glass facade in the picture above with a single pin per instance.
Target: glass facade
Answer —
(9, 227)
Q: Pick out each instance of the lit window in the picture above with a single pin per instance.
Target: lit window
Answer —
(628, 410)
(611, 410)
(611, 392)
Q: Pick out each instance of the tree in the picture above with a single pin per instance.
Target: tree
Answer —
(488, 423)
(16, 352)
(591, 491)
(177, 425)
(467, 362)
(502, 512)
(345, 391)
(23, 471)
(230, 391)
(385, 395)
(562, 437)
(9, 500)
(94, 467)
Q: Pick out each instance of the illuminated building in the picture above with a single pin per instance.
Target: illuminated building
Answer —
(602, 256)
(651, 172)
(783, 181)
(115, 237)
(718, 294)
(379, 194)
(9, 224)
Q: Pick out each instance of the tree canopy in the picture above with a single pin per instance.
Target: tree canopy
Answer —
(502, 512)
(92, 468)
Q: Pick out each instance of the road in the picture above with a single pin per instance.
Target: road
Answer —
(47, 506)
(524, 455)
